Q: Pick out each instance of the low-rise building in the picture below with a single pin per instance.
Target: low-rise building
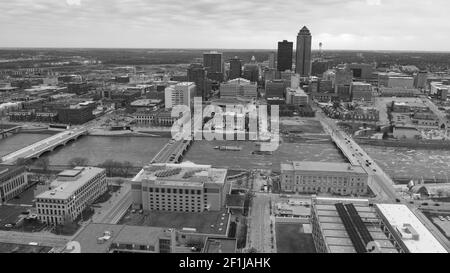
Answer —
(183, 187)
(239, 88)
(296, 97)
(318, 177)
(401, 132)
(13, 181)
(361, 91)
(347, 226)
(70, 194)
(406, 231)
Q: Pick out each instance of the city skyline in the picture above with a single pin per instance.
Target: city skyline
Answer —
(353, 24)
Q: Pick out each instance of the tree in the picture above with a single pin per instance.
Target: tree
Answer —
(21, 162)
(78, 161)
(252, 250)
(127, 168)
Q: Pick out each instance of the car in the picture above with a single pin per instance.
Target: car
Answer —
(425, 204)
(437, 205)
(8, 226)
(398, 200)
(441, 218)
(448, 218)
(374, 170)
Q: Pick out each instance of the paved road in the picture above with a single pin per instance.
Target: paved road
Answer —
(259, 228)
(44, 239)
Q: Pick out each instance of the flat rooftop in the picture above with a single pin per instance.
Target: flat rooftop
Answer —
(121, 234)
(62, 188)
(213, 222)
(185, 174)
(220, 245)
(18, 248)
(322, 167)
(335, 234)
(400, 215)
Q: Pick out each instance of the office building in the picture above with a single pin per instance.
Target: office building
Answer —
(406, 230)
(272, 60)
(317, 177)
(212, 62)
(251, 71)
(303, 53)
(197, 74)
(420, 80)
(183, 187)
(319, 67)
(361, 91)
(276, 89)
(347, 226)
(296, 97)
(239, 88)
(75, 114)
(13, 181)
(285, 57)
(361, 71)
(70, 194)
(180, 94)
(235, 68)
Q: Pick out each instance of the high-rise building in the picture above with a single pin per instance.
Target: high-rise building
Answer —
(421, 80)
(303, 59)
(212, 61)
(251, 71)
(235, 68)
(180, 94)
(197, 74)
(272, 60)
(285, 49)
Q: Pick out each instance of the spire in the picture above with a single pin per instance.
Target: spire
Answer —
(304, 31)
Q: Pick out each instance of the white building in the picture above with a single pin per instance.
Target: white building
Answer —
(71, 193)
(13, 181)
(239, 88)
(183, 187)
(180, 94)
(406, 230)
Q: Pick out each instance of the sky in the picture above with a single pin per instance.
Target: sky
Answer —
(226, 24)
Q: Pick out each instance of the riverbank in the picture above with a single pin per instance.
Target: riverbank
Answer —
(412, 144)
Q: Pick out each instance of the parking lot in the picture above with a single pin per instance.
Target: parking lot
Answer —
(10, 215)
(444, 226)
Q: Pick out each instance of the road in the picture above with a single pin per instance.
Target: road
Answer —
(259, 227)
(379, 182)
(44, 239)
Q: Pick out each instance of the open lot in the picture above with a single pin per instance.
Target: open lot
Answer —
(291, 238)
(25, 198)
(10, 215)
(206, 223)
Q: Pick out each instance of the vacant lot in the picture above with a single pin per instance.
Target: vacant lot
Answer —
(292, 239)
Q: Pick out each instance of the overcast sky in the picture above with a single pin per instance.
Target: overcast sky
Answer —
(240, 24)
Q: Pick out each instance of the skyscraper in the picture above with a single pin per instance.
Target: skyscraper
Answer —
(303, 58)
(235, 68)
(212, 61)
(196, 73)
(272, 60)
(285, 55)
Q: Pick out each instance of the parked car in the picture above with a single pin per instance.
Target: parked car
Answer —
(448, 218)
(441, 218)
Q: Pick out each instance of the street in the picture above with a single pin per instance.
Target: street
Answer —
(259, 227)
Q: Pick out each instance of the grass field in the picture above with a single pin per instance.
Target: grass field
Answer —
(292, 239)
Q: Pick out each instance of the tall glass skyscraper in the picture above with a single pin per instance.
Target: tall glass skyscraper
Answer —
(303, 58)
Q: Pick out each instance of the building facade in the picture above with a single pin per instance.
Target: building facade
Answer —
(180, 94)
(304, 55)
(13, 181)
(70, 194)
(239, 88)
(316, 177)
(180, 188)
(285, 57)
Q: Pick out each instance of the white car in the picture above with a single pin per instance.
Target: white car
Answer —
(448, 218)
(441, 218)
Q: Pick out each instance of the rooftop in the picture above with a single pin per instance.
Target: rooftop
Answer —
(322, 167)
(186, 174)
(220, 245)
(399, 217)
(335, 233)
(62, 188)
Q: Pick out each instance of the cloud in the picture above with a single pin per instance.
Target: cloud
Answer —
(73, 2)
(339, 24)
